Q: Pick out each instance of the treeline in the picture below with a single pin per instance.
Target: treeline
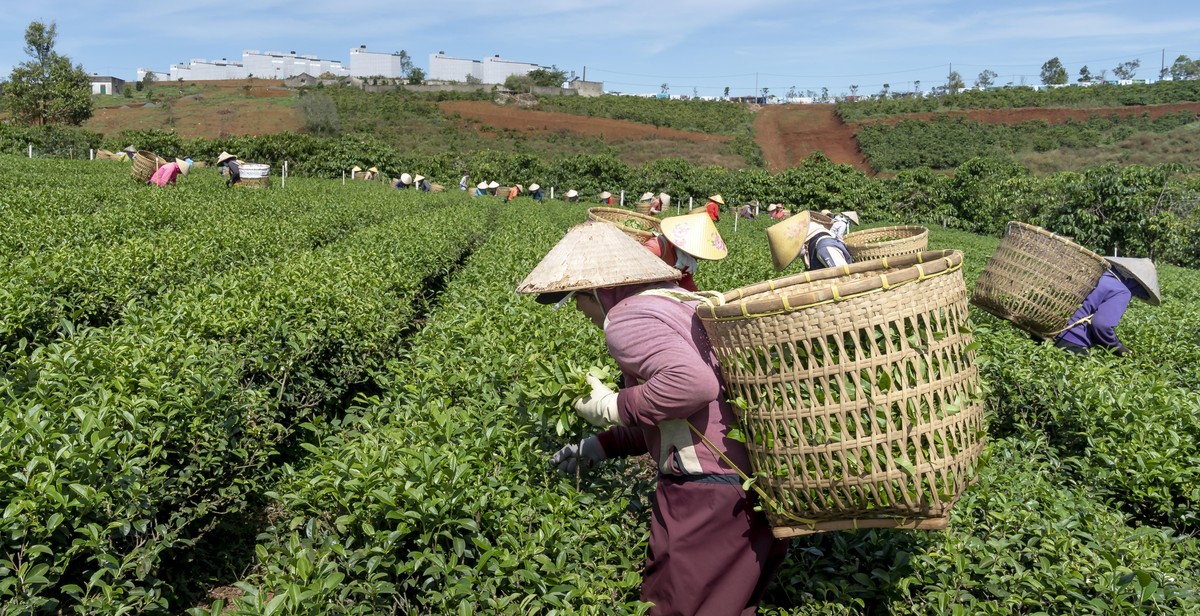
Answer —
(1103, 95)
(1135, 210)
(946, 141)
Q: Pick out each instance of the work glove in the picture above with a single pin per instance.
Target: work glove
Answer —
(587, 452)
(598, 408)
(684, 262)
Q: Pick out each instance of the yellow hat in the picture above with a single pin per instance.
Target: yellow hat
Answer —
(718, 199)
(787, 239)
(184, 166)
(696, 235)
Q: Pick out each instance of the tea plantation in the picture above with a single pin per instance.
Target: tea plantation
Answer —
(327, 398)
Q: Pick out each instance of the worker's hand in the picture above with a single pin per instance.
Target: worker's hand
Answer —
(685, 262)
(599, 408)
(1123, 351)
(586, 453)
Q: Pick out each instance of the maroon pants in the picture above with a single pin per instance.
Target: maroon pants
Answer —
(710, 552)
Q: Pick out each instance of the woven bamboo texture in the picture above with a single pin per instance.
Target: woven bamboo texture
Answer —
(1037, 279)
(640, 227)
(857, 391)
(642, 207)
(144, 166)
(254, 182)
(881, 242)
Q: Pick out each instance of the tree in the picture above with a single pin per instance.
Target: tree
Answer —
(917, 87)
(1085, 75)
(1185, 68)
(854, 89)
(884, 92)
(1053, 72)
(1126, 70)
(764, 92)
(416, 76)
(665, 88)
(791, 93)
(549, 77)
(48, 89)
(824, 94)
(406, 65)
(954, 82)
(320, 114)
(726, 91)
(985, 79)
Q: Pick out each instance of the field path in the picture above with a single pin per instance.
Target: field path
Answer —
(787, 134)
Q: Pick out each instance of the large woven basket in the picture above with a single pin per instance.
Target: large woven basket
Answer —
(642, 207)
(254, 182)
(144, 166)
(857, 390)
(640, 227)
(1037, 279)
(881, 242)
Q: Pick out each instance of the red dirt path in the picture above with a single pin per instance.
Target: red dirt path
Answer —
(527, 120)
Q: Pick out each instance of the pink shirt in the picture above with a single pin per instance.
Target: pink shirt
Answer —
(166, 174)
(671, 380)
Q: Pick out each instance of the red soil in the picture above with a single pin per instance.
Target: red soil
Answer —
(526, 120)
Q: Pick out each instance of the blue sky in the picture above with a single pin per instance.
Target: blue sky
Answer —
(698, 46)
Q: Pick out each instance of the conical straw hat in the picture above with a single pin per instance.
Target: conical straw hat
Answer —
(405, 178)
(224, 156)
(852, 215)
(184, 166)
(493, 184)
(374, 169)
(533, 187)
(718, 199)
(355, 169)
(572, 193)
(696, 235)
(605, 195)
(665, 198)
(1142, 271)
(595, 255)
(646, 196)
(418, 178)
(481, 185)
(787, 238)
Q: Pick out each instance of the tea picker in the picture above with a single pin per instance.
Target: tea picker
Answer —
(1094, 323)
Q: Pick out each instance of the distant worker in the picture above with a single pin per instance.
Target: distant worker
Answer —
(659, 203)
(129, 153)
(776, 211)
(713, 207)
(371, 174)
(168, 173)
(571, 196)
(606, 198)
(1094, 324)
(422, 183)
(464, 181)
(513, 192)
(404, 181)
(494, 186)
(842, 222)
(228, 165)
(685, 239)
(647, 198)
(747, 212)
(535, 192)
(481, 189)
(802, 236)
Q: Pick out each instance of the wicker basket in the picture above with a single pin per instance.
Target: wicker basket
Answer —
(1037, 279)
(858, 392)
(254, 182)
(643, 208)
(881, 242)
(640, 227)
(144, 166)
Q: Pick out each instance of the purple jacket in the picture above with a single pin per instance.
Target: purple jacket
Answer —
(671, 380)
(1106, 303)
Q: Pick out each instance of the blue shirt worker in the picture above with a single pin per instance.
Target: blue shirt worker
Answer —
(1094, 324)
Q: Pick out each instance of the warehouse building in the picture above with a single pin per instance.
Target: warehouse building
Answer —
(366, 63)
(255, 63)
(489, 70)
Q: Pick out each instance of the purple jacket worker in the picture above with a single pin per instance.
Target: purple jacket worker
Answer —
(1094, 324)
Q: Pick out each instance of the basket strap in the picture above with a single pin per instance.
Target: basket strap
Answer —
(747, 480)
(1087, 319)
(712, 298)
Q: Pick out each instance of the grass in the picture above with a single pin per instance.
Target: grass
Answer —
(1181, 145)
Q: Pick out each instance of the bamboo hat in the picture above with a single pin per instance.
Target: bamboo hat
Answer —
(696, 235)
(418, 178)
(646, 196)
(184, 166)
(493, 184)
(355, 169)
(405, 179)
(373, 170)
(481, 185)
(665, 198)
(826, 213)
(787, 238)
(595, 255)
(605, 195)
(718, 199)
(572, 193)
(130, 149)
(1141, 271)
(771, 207)
(534, 187)
(852, 215)
(224, 156)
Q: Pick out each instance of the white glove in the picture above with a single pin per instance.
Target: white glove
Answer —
(587, 452)
(599, 408)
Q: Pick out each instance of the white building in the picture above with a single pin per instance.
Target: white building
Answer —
(489, 70)
(158, 75)
(259, 64)
(103, 84)
(365, 63)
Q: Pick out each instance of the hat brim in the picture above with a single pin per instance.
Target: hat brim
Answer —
(696, 235)
(552, 297)
(786, 239)
(1141, 271)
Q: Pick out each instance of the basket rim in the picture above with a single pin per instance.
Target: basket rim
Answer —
(607, 215)
(909, 268)
(1047, 234)
(918, 231)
